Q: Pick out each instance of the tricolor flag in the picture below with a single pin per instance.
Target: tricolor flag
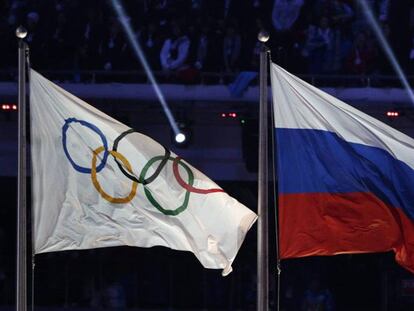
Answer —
(98, 183)
(345, 179)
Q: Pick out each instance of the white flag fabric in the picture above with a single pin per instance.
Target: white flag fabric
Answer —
(98, 183)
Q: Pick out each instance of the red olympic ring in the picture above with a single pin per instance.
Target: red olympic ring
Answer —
(187, 186)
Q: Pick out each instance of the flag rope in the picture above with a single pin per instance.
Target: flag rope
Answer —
(32, 289)
(275, 196)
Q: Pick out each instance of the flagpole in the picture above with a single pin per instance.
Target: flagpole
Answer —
(21, 258)
(262, 223)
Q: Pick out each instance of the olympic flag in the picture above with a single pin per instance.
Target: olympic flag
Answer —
(98, 183)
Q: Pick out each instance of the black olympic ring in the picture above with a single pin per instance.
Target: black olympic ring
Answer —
(145, 181)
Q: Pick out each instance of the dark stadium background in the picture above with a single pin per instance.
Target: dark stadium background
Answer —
(163, 279)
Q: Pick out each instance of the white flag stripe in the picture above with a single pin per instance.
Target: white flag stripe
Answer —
(80, 206)
(299, 105)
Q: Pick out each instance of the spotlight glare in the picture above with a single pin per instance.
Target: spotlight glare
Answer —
(180, 138)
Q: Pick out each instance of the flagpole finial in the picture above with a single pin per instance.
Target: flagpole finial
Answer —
(263, 36)
(21, 32)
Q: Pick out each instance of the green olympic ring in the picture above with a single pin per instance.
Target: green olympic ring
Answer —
(149, 196)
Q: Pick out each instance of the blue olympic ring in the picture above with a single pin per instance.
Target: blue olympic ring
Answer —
(97, 131)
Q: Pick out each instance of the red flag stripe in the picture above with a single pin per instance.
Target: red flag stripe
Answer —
(330, 224)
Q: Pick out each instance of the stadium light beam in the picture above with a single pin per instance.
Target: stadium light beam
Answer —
(386, 47)
(124, 19)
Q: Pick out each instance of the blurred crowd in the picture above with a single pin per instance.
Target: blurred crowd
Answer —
(186, 37)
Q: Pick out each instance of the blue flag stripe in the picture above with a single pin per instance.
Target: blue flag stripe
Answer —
(317, 161)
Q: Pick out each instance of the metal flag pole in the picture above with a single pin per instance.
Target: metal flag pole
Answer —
(262, 223)
(21, 258)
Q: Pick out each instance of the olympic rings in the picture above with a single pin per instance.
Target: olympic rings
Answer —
(98, 186)
(189, 187)
(97, 131)
(150, 179)
(124, 163)
(149, 196)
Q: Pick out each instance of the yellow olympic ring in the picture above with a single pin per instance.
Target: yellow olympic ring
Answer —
(98, 186)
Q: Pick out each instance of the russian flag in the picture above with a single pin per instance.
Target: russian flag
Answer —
(345, 179)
